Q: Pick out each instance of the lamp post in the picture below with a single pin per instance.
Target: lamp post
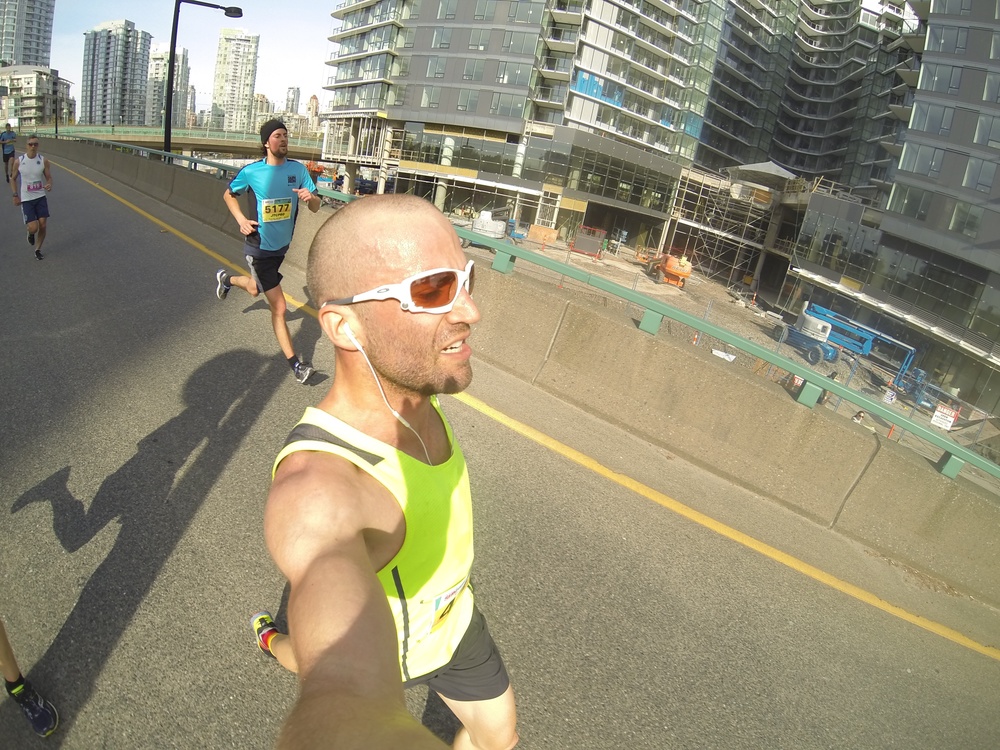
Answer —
(231, 12)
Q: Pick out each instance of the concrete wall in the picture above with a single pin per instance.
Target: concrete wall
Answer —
(195, 193)
(681, 397)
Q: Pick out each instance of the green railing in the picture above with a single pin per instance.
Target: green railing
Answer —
(156, 133)
(654, 311)
(953, 459)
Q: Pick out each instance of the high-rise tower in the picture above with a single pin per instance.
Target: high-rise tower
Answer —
(235, 77)
(26, 31)
(115, 70)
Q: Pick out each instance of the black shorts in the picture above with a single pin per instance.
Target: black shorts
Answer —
(264, 271)
(8, 157)
(475, 672)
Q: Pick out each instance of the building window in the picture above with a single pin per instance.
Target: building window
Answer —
(966, 219)
(405, 39)
(519, 42)
(909, 201)
(436, 67)
(473, 70)
(944, 79)
(950, 39)
(925, 160)
(414, 8)
(952, 7)
(515, 74)
(468, 100)
(979, 174)
(480, 39)
(397, 95)
(991, 92)
(447, 9)
(988, 131)
(486, 8)
(932, 118)
(524, 12)
(441, 39)
(507, 105)
(431, 97)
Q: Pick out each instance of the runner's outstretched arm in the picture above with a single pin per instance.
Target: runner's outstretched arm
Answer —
(342, 630)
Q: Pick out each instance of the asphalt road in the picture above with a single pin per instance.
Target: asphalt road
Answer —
(139, 419)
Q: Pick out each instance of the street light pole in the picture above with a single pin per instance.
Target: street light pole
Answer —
(231, 12)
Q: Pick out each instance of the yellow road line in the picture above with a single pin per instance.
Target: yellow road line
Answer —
(180, 235)
(631, 484)
(727, 531)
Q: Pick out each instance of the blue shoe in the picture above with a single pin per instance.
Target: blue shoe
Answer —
(302, 371)
(41, 713)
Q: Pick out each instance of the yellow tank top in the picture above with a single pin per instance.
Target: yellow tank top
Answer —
(427, 582)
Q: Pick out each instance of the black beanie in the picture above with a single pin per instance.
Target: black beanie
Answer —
(269, 127)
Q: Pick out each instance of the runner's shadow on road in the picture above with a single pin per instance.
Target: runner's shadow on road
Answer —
(154, 502)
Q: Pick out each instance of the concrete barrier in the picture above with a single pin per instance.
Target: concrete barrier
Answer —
(155, 179)
(910, 513)
(200, 195)
(747, 429)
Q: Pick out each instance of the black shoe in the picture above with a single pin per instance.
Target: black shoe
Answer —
(302, 371)
(31, 238)
(38, 255)
(41, 713)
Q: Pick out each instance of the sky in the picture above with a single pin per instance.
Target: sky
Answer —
(292, 52)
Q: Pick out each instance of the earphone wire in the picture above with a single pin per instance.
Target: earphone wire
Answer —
(396, 414)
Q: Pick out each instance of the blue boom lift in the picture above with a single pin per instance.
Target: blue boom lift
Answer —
(820, 333)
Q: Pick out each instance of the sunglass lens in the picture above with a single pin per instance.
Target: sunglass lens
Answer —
(436, 290)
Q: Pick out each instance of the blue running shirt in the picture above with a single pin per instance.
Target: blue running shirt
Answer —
(272, 203)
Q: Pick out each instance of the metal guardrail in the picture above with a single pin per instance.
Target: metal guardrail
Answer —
(951, 463)
(196, 134)
(955, 455)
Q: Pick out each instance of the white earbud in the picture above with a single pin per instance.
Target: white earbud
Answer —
(399, 417)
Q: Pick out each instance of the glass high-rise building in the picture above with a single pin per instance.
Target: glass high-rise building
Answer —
(26, 32)
(629, 118)
(235, 77)
(115, 70)
(156, 86)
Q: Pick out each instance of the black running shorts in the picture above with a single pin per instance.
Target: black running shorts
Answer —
(264, 271)
(476, 671)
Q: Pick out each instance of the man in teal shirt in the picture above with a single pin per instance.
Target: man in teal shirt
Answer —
(7, 138)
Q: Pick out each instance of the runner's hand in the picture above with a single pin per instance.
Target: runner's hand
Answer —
(304, 194)
(247, 227)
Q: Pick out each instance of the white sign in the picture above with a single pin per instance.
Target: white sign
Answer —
(944, 417)
(889, 397)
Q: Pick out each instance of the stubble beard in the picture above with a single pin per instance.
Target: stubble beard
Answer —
(409, 375)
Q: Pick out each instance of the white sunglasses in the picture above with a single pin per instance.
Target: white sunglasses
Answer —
(434, 291)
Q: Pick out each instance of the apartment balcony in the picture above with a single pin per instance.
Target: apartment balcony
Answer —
(909, 71)
(555, 68)
(914, 35)
(921, 8)
(561, 39)
(550, 96)
(384, 19)
(893, 145)
(567, 11)
(349, 6)
(902, 106)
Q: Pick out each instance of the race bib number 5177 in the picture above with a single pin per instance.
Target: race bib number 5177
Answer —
(276, 209)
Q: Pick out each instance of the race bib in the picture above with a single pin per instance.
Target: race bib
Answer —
(34, 187)
(276, 209)
(444, 603)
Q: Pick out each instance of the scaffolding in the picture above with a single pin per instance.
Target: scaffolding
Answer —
(720, 224)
